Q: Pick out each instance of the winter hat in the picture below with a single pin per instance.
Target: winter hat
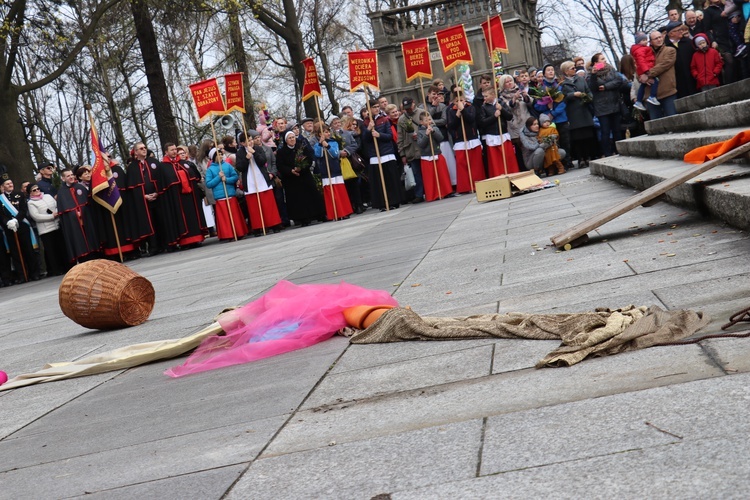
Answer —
(640, 36)
(672, 25)
(697, 39)
(544, 118)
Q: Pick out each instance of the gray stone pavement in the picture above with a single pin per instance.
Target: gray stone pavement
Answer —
(463, 419)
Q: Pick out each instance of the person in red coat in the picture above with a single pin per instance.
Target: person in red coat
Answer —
(706, 65)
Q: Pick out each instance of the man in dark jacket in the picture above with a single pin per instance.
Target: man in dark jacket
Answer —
(717, 28)
(685, 50)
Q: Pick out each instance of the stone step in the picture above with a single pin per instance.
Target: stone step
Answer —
(734, 114)
(725, 94)
(722, 192)
(675, 145)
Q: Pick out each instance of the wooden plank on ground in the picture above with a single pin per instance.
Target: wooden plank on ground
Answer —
(579, 230)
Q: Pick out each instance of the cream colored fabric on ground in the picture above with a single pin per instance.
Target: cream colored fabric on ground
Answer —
(599, 333)
(117, 359)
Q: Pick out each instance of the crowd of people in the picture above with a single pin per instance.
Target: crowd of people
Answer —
(286, 173)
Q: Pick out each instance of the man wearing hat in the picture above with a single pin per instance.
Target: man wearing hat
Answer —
(307, 130)
(663, 70)
(18, 234)
(46, 170)
(407, 145)
(676, 38)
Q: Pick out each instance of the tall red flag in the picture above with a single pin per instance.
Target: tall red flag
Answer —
(207, 98)
(495, 32)
(235, 92)
(363, 69)
(104, 189)
(417, 59)
(311, 86)
(454, 47)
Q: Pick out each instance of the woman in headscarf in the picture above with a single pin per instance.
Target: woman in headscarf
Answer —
(221, 179)
(303, 200)
(582, 132)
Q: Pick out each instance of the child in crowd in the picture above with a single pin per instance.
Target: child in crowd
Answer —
(644, 61)
(548, 138)
(706, 65)
(328, 165)
(735, 33)
(435, 176)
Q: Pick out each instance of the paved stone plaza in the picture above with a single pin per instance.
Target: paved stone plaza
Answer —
(418, 420)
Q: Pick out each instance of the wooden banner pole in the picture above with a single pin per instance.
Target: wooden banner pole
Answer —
(377, 150)
(114, 225)
(497, 98)
(328, 165)
(432, 148)
(223, 182)
(463, 130)
(255, 178)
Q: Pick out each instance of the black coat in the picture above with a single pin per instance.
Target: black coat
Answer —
(304, 202)
(685, 80)
(579, 112)
(487, 121)
(607, 101)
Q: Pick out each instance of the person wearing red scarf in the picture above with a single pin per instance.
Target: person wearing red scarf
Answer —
(180, 183)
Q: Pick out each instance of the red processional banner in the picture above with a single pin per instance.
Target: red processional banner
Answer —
(234, 92)
(207, 98)
(494, 35)
(417, 59)
(363, 69)
(454, 47)
(312, 84)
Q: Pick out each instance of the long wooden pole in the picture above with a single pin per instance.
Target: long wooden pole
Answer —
(497, 99)
(114, 224)
(377, 150)
(255, 177)
(432, 148)
(463, 129)
(223, 183)
(20, 254)
(117, 236)
(328, 165)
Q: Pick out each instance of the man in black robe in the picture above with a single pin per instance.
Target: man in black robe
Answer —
(179, 182)
(76, 220)
(140, 195)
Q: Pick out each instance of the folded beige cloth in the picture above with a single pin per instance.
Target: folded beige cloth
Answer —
(599, 333)
(117, 359)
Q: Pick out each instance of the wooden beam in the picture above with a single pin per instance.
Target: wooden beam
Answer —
(579, 230)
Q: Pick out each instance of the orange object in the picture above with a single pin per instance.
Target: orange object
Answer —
(361, 317)
(711, 151)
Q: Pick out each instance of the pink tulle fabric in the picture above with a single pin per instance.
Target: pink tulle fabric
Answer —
(287, 318)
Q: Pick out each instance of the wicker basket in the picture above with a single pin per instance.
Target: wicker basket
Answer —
(102, 294)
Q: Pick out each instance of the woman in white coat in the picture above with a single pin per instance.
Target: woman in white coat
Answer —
(43, 209)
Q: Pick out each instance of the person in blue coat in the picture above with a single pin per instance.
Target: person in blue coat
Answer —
(221, 179)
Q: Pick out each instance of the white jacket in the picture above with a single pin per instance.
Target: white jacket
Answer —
(45, 222)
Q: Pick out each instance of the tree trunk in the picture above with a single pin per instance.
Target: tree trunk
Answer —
(14, 149)
(157, 86)
(240, 61)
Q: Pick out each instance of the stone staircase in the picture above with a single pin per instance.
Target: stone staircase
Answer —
(705, 118)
